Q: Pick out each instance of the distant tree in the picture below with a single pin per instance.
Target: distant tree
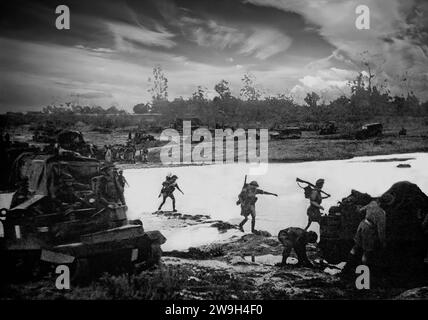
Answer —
(113, 110)
(199, 94)
(141, 108)
(76, 108)
(223, 90)
(312, 99)
(249, 90)
(97, 110)
(158, 85)
(86, 109)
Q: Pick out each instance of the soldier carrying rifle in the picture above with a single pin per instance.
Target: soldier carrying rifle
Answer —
(247, 199)
(314, 194)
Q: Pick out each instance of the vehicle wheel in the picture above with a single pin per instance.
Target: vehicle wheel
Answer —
(155, 254)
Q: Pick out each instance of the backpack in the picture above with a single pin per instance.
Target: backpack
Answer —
(308, 191)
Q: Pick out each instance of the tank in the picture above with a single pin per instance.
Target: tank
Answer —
(59, 216)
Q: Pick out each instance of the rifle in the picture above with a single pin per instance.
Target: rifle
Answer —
(243, 187)
(298, 180)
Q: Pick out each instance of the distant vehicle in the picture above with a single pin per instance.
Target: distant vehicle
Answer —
(284, 132)
(196, 123)
(402, 132)
(328, 128)
(141, 137)
(369, 131)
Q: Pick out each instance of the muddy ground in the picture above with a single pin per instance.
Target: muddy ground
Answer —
(241, 268)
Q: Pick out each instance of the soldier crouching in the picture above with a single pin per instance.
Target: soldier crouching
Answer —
(297, 239)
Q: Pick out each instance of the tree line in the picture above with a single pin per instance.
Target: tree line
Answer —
(366, 100)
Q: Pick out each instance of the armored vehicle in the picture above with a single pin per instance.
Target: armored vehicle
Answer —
(369, 131)
(284, 132)
(68, 210)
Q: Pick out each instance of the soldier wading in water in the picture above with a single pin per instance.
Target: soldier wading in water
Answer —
(315, 207)
(168, 188)
(247, 200)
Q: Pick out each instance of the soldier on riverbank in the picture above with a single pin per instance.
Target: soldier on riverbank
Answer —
(370, 237)
(167, 191)
(297, 239)
(315, 207)
(247, 199)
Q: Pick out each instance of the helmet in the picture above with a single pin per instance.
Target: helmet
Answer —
(254, 183)
(319, 182)
(312, 237)
(174, 177)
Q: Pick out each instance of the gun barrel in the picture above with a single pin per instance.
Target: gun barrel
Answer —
(312, 185)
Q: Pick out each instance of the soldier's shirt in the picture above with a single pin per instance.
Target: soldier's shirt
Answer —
(170, 188)
(376, 215)
(248, 201)
(313, 212)
(316, 196)
(293, 234)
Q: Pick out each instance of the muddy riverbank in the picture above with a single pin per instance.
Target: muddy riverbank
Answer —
(240, 268)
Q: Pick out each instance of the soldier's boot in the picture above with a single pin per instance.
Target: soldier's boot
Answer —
(253, 225)
(160, 207)
(241, 225)
(173, 206)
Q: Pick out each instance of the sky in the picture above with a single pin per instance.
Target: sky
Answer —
(289, 46)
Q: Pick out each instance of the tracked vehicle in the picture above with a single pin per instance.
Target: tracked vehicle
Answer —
(43, 224)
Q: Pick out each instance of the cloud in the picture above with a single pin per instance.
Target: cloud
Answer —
(329, 83)
(211, 34)
(125, 35)
(393, 44)
(99, 50)
(92, 95)
(265, 43)
(261, 42)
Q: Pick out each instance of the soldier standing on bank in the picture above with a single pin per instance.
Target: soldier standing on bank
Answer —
(247, 200)
(122, 180)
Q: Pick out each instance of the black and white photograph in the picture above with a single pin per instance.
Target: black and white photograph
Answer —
(225, 152)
